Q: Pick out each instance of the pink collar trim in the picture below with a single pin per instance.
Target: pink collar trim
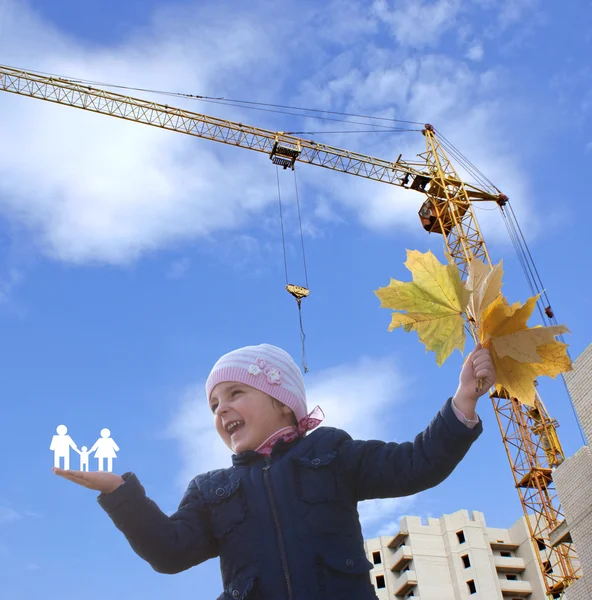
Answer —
(289, 434)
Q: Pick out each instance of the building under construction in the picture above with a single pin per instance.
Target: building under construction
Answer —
(573, 479)
(458, 556)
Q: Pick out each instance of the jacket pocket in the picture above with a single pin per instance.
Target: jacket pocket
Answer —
(344, 574)
(315, 477)
(242, 587)
(227, 507)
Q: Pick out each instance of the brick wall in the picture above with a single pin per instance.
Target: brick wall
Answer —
(573, 478)
(579, 384)
(574, 484)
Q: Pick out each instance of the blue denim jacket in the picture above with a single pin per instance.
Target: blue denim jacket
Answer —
(286, 526)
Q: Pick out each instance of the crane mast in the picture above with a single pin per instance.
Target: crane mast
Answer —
(528, 433)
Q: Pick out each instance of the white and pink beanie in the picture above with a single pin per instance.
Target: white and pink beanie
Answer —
(266, 368)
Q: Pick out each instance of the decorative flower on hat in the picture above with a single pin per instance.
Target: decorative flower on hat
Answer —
(274, 375)
(254, 369)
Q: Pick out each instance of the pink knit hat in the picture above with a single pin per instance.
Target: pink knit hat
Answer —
(266, 368)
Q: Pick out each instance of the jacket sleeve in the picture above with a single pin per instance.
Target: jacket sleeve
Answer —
(169, 544)
(390, 470)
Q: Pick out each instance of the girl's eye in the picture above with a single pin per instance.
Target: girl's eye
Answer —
(214, 407)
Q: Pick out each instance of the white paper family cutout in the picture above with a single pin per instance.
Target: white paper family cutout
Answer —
(104, 447)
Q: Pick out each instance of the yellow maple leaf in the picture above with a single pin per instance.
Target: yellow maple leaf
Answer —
(499, 318)
(523, 345)
(518, 378)
(485, 285)
(555, 360)
(434, 303)
(520, 353)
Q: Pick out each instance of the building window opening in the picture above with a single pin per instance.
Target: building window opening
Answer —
(461, 536)
(510, 577)
(506, 554)
(471, 586)
(541, 544)
(376, 558)
(466, 561)
(547, 567)
(380, 584)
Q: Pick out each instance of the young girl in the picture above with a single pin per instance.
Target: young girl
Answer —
(283, 518)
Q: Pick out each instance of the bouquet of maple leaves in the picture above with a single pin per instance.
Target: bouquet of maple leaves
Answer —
(438, 305)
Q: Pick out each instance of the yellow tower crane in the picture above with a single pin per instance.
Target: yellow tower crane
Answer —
(528, 433)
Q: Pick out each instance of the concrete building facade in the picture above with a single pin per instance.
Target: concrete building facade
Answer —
(573, 478)
(455, 557)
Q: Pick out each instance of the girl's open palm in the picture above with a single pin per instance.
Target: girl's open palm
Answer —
(94, 480)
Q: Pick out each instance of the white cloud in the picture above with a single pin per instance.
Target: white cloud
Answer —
(381, 517)
(513, 11)
(475, 52)
(8, 514)
(509, 11)
(9, 284)
(192, 426)
(179, 268)
(358, 398)
(457, 99)
(96, 189)
(418, 23)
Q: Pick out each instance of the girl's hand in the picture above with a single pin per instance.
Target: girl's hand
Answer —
(101, 481)
(477, 368)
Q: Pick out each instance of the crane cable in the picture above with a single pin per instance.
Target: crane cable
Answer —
(514, 230)
(297, 291)
(260, 106)
(530, 270)
(524, 256)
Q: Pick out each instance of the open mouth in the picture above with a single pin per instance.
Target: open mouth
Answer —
(234, 426)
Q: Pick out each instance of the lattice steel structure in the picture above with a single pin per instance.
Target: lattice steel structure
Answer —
(529, 434)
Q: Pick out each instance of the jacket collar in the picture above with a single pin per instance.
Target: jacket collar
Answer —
(251, 456)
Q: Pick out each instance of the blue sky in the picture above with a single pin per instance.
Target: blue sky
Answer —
(133, 258)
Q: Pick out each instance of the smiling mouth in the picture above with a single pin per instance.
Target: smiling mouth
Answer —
(235, 426)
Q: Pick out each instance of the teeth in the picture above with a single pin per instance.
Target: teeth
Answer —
(232, 426)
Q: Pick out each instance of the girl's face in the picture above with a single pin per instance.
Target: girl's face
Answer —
(245, 417)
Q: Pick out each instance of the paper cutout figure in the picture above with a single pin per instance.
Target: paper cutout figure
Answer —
(84, 454)
(105, 447)
(61, 444)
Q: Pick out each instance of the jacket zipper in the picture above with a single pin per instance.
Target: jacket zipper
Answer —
(276, 519)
